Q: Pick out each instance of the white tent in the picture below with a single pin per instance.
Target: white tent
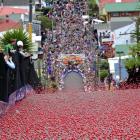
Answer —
(97, 21)
(85, 17)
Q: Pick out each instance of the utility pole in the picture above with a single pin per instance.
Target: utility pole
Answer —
(99, 72)
(120, 75)
(30, 19)
(2, 1)
(52, 20)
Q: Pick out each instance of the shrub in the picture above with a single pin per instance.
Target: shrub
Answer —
(45, 22)
(104, 64)
(103, 74)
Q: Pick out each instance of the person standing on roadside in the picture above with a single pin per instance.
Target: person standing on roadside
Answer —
(108, 81)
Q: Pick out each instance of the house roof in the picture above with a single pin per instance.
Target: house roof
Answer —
(119, 24)
(8, 24)
(16, 2)
(112, 25)
(119, 7)
(103, 2)
(9, 10)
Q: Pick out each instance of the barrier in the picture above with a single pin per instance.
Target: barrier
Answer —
(16, 83)
(15, 97)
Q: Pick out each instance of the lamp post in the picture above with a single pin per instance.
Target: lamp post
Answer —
(30, 19)
(99, 71)
(120, 53)
(52, 20)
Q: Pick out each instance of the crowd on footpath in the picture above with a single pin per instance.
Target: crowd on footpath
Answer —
(70, 36)
(16, 70)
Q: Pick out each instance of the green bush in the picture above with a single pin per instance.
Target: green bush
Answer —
(104, 64)
(103, 74)
(45, 22)
(132, 63)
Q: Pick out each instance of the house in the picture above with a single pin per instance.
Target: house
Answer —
(117, 34)
(16, 14)
(23, 4)
(122, 11)
(7, 24)
(102, 3)
(9, 10)
(13, 18)
(123, 38)
(123, 35)
(6, 20)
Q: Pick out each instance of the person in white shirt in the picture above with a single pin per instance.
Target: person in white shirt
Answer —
(8, 61)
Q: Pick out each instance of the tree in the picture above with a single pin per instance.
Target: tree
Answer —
(46, 10)
(104, 66)
(18, 34)
(45, 22)
(93, 7)
(133, 64)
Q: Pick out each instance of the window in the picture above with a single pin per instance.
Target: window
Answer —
(115, 14)
(123, 14)
(128, 14)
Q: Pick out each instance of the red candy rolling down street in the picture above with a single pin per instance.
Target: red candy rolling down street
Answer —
(72, 116)
(76, 84)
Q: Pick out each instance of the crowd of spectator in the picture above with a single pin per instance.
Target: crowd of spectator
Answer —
(70, 36)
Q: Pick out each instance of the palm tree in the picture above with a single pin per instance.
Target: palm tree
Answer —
(18, 34)
(133, 64)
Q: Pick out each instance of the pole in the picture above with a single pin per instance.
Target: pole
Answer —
(98, 67)
(99, 80)
(52, 21)
(99, 55)
(120, 75)
(39, 69)
(30, 20)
